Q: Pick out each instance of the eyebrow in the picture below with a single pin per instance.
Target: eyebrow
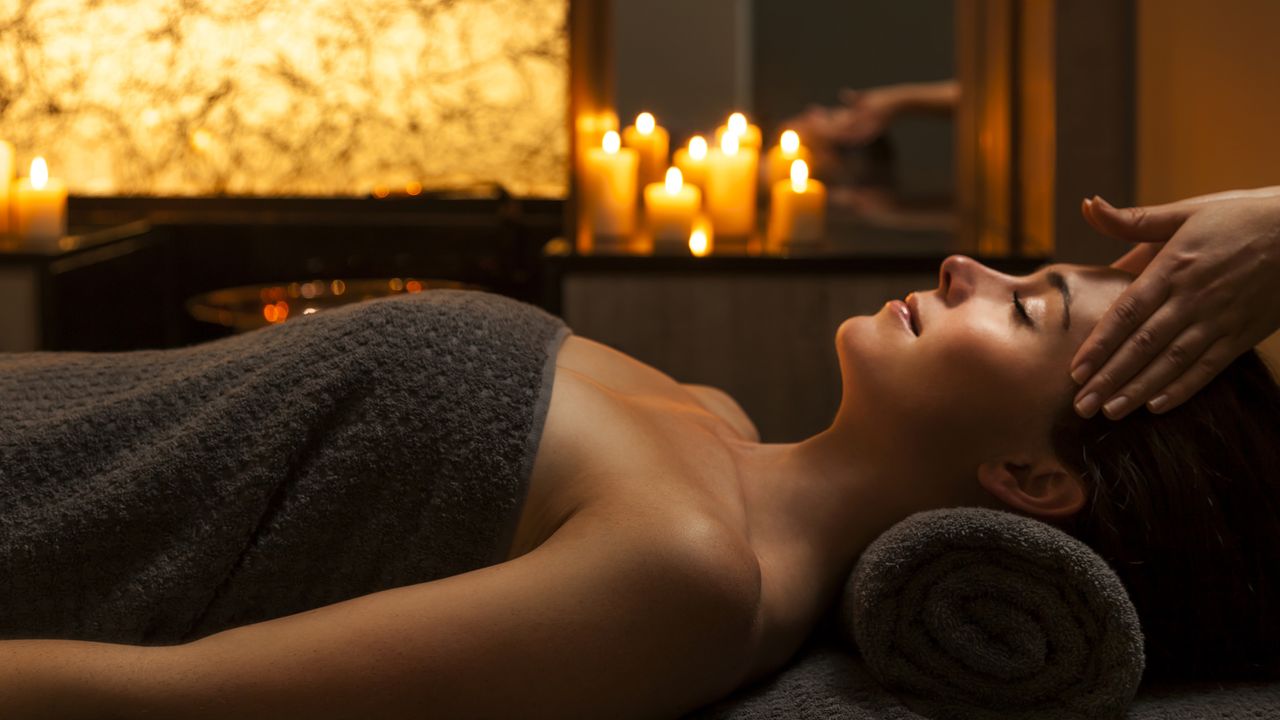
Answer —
(1057, 280)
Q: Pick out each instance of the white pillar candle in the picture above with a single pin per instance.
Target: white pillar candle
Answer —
(731, 188)
(7, 167)
(799, 210)
(787, 151)
(40, 205)
(651, 143)
(611, 187)
(670, 208)
(748, 134)
(692, 162)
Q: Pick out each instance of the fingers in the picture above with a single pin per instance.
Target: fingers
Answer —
(1198, 374)
(1175, 361)
(1146, 293)
(1138, 349)
(849, 96)
(1137, 259)
(1140, 224)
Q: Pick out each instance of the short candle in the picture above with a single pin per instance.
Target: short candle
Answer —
(40, 205)
(787, 151)
(670, 209)
(650, 141)
(692, 161)
(799, 209)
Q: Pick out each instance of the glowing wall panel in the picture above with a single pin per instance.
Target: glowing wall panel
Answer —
(287, 97)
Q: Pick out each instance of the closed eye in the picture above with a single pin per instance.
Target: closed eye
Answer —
(1021, 311)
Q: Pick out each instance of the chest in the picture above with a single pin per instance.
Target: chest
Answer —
(622, 434)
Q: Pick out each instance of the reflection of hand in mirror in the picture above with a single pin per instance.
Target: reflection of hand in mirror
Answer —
(881, 206)
(864, 115)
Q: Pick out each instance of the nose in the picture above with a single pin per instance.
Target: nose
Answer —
(957, 277)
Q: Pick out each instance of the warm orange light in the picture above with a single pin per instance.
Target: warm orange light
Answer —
(612, 142)
(381, 191)
(698, 242)
(338, 287)
(39, 173)
(413, 286)
(700, 238)
(413, 188)
(396, 284)
(729, 143)
(202, 140)
(799, 176)
(790, 142)
(645, 123)
(698, 147)
(738, 123)
(276, 312)
(675, 181)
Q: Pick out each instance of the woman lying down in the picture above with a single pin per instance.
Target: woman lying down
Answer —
(448, 504)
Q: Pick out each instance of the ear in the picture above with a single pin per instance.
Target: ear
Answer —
(1040, 487)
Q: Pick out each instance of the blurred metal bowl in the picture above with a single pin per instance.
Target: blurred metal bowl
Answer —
(249, 307)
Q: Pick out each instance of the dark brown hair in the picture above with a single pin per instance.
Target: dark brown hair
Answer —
(1185, 507)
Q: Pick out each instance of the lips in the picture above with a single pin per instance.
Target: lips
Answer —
(913, 304)
(904, 312)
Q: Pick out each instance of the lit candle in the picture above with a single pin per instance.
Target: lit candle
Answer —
(670, 208)
(650, 141)
(748, 134)
(692, 161)
(610, 187)
(799, 210)
(40, 205)
(6, 180)
(731, 188)
(701, 239)
(787, 151)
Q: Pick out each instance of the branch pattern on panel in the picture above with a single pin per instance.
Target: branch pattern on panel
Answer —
(287, 97)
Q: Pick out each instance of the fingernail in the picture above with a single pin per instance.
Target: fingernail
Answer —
(1082, 373)
(1157, 404)
(1089, 405)
(1115, 406)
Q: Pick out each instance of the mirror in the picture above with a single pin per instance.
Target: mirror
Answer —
(869, 86)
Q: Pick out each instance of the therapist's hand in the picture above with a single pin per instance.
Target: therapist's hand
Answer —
(1207, 290)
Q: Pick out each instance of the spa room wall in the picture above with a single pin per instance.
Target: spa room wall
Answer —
(1207, 106)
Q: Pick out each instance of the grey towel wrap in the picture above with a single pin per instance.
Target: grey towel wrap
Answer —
(156, 497)
(975, 613)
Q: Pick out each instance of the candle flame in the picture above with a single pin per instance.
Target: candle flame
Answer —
(39, 173)
(645, 123)
(612, 142)
(790, 142)
(738, 123)
(799, 176)
(698, 242)
(729, 143)
(675, 181)
(698, 147)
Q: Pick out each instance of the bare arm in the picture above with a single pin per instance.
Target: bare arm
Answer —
(590, 624)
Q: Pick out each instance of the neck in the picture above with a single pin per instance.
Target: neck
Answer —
(811, 508)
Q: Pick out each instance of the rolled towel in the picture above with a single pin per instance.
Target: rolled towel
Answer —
(977, 613)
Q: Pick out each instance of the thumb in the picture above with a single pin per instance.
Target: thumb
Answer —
(1151, 223)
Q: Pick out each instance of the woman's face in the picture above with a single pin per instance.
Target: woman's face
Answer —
(978, 367)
